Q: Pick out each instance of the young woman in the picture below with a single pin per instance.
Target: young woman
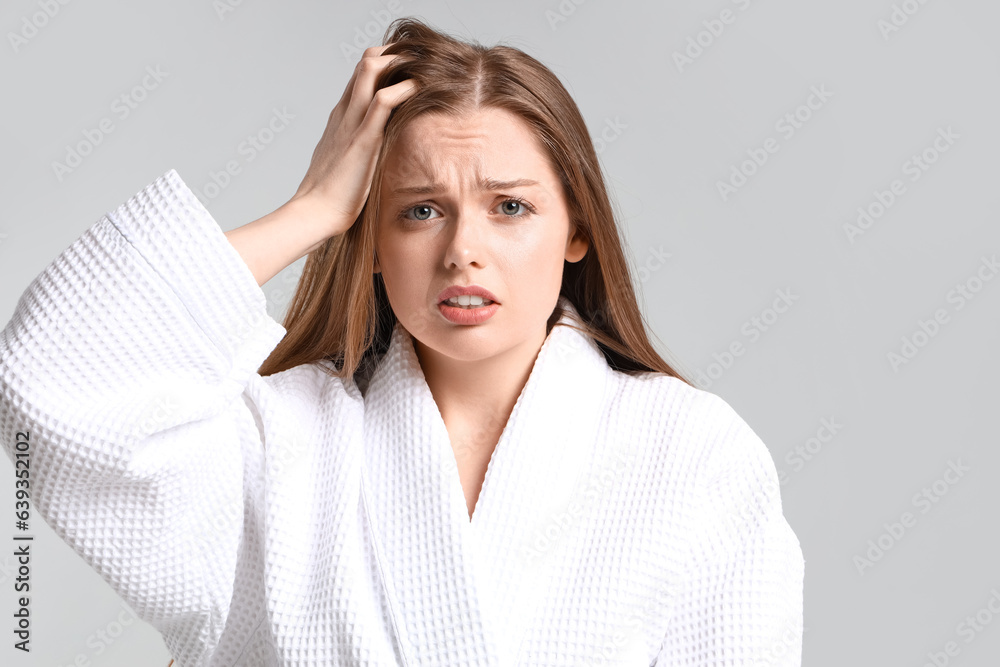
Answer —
(460, 448)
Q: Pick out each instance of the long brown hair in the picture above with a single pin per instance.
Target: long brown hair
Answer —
(340, 311)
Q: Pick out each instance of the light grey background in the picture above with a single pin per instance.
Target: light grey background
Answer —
(667, 136)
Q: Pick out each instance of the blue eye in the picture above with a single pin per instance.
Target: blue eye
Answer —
(521, 205)
(517, 204)
(512, 207)
(422, 207)
(425, 212)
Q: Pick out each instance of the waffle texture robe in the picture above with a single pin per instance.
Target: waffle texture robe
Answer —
(295, 520)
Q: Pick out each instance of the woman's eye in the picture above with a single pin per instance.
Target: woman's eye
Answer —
(511, 206)
(515, 208)
(421, 212)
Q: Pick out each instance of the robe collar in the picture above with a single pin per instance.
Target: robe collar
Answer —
(463, 592)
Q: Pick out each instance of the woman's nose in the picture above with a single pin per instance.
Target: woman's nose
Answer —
(466, 240)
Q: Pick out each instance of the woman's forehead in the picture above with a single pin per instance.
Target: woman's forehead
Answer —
(475, 149)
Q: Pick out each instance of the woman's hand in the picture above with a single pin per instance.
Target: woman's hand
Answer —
(339, 178)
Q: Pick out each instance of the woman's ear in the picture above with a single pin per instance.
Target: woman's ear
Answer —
(576, 245)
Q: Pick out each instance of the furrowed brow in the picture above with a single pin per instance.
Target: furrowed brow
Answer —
(489, 184)
(492, 184)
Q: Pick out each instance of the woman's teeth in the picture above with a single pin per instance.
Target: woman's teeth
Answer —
(468, 301)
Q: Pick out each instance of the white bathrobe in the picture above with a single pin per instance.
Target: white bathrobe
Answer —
(292, 520)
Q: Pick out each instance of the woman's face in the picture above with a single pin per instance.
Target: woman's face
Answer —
(473, 200)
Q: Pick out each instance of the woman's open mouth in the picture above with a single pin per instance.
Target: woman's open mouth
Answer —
(467, 309)
(467, 301)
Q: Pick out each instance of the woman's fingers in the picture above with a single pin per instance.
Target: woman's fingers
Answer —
(338, 180)
(382, 104)
(370, 51)
(362, 86)
(369, 135)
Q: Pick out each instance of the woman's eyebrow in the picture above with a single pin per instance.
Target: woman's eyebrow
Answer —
(487, 184)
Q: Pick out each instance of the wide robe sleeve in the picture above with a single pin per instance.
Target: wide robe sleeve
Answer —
(742, 601)
(123, 369)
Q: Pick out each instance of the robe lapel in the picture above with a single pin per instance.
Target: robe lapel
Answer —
(463, 592)
(540, 466)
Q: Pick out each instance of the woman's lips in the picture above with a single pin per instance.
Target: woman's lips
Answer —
(460, 315)
(471, 290)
